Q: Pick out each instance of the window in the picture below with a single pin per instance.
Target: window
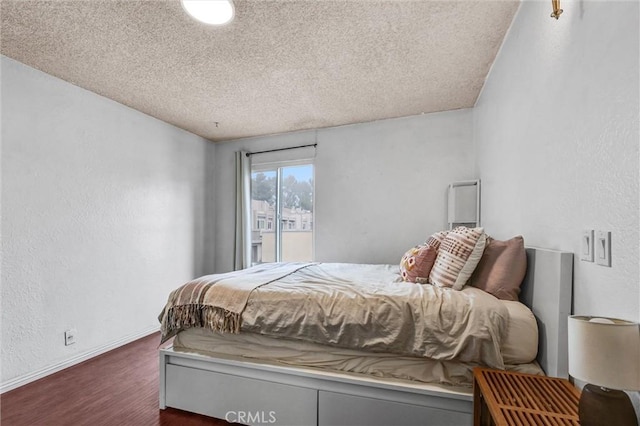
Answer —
(283, 195)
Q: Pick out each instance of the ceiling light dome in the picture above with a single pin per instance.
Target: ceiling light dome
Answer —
(212, 12)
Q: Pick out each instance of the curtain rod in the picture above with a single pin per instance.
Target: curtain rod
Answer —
(249, 154)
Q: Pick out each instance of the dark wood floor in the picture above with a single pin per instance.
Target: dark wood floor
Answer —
(119, 387)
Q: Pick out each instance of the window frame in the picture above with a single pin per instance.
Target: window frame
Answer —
(278, 167)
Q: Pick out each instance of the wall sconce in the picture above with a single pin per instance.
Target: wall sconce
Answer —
(556, 9)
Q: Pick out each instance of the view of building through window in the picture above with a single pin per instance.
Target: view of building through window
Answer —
(282, 214)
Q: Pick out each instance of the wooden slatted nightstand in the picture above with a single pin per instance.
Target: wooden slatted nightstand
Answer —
(505, 398)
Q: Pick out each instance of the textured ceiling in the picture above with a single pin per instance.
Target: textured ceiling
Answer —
(279, 66)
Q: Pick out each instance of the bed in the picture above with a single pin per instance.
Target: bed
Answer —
(252, 378)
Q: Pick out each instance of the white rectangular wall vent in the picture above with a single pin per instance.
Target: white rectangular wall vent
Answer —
(464, 204)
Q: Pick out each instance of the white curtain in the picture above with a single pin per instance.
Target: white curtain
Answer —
(242, 256)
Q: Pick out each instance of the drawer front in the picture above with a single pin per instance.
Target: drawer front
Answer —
(346, 410)
(239, 399)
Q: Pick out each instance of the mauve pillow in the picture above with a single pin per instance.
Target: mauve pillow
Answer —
(417, 262)
(502, 268)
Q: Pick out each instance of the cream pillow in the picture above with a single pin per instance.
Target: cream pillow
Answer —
(436, 239)
(458, 256)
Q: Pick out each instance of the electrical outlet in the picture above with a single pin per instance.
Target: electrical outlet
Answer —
(70, 337)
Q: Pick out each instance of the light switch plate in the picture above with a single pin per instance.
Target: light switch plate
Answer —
(603, 248)
(586, 246)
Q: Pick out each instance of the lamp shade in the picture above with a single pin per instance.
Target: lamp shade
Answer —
(605, 352)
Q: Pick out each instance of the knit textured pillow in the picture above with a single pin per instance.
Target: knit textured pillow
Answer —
(458, 256)
(417, 262)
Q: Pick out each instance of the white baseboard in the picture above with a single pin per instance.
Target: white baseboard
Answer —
(31, 377)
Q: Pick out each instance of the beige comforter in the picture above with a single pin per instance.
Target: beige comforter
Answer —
(367, 307)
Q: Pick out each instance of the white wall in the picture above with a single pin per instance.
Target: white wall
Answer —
(380, 187)
(557, 133)
(103, 212)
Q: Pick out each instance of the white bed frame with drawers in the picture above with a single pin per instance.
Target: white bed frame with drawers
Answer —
(262, 393)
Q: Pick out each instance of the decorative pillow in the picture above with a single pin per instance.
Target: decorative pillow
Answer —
(417, 263)
(458, 256)
(502, 268)
(436, 239)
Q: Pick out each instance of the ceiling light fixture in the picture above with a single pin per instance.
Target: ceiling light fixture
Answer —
(212, 12)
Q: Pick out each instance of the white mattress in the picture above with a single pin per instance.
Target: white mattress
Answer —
(520, 345)
(519, 350)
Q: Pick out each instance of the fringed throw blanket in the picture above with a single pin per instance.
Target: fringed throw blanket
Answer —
(364, 307)
(217, 301)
